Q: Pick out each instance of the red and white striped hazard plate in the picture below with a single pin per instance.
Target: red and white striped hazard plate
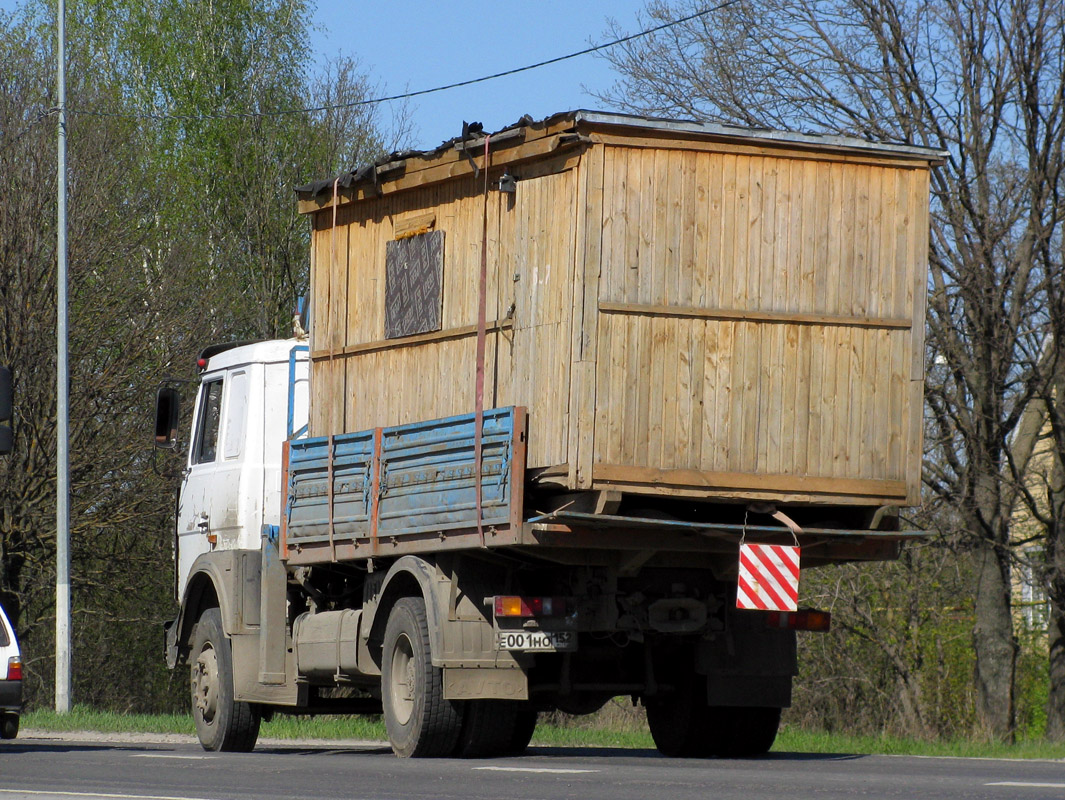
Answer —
(769, 577)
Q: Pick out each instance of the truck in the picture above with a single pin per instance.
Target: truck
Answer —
(560, 381)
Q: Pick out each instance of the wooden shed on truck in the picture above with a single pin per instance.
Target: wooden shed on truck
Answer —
(684, 309)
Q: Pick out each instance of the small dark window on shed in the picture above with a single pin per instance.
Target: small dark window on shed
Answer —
(414, 270)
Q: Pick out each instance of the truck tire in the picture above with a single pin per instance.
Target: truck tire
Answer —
(749, 731)
(222, 724)
(8, 726)
(524, 727)
(682, 724)
(683, 728)
(488, 728)
(419, 721)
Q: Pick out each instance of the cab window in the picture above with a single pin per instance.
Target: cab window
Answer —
(236, 413)
(210, 418)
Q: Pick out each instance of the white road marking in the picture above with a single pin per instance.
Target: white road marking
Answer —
(20, 793)
(167, 755)
(538, 769)
(1028, 785)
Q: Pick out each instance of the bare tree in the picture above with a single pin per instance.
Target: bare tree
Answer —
(983, 80)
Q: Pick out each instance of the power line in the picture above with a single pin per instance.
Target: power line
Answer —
(408, 95)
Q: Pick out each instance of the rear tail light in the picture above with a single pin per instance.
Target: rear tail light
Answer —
(805, 619)
(14, 669)
(510, 606)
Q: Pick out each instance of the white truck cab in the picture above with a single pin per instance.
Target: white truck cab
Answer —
(252, 397)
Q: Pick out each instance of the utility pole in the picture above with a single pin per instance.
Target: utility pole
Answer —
(62, 514)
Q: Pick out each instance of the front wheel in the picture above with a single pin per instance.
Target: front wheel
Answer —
(419, 721)
(221, 722)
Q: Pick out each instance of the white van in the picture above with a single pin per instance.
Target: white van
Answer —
(10, 679)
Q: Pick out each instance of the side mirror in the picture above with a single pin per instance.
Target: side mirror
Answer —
(7, 439)
(167, 409)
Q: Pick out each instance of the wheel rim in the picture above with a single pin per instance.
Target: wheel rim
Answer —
(403, 679)
(205, 684)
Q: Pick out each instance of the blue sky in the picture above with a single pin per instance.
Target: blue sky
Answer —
(412, 45)
(418, 45)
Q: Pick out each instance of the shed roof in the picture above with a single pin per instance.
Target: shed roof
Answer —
(580, 122)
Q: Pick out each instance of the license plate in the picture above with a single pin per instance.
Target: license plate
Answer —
(537, 641)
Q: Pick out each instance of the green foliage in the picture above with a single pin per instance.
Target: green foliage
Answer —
(183, 231)
(901, 652)
(604, 729)
(1033, 683)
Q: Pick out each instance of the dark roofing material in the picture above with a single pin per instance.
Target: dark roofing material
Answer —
(472, 132)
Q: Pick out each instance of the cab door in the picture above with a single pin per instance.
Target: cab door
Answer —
(209, 507)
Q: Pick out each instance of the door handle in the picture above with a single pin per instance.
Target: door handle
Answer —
(204, 525)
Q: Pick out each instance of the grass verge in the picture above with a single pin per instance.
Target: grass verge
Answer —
(583, 732)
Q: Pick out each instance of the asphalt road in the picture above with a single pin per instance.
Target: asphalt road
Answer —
(52, 769)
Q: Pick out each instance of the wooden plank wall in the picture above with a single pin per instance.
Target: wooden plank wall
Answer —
(360, 381)
(758, 316)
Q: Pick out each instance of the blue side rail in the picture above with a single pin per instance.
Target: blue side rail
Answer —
(404, 489)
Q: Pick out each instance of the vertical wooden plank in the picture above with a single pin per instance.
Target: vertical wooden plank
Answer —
(800, 432)
(836, 260)
(606, 368)
(868, 433)
(826, 280)
(785, 266)
(895, 467)
(811, 462)
(772, 271)
(584, 351)
(712, 293)
(831, 401)
(811, 284)
(713, 416)
(902, 229)
(631, 390)
(886, 274)
(740, 392)
(864, 303)
(731, 259)
(645, 292)
(611, 283)
(674, 387)
(727, 376)
(660, 203)
(697, 398)
(656, 376)
(917, 212)
(565, 248)
(688, 213)
(633, 239)
(849, 384)
(864, 258)
(641, 435)
(700, 212)
(742, 258)
(770, 399)
(791, 402)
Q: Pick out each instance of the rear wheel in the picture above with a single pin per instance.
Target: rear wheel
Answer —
(488, 728)
(419, 721)
(221, 722)
(524, 727)
(8, 726)
(750, 731)
(683, 726)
